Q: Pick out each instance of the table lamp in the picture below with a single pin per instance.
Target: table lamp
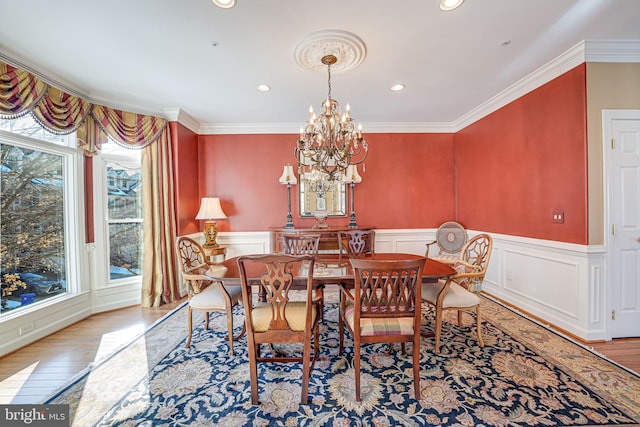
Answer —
(210, 210)
(352, 177)
(288, 177)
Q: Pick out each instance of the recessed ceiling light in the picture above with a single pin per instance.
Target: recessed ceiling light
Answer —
(397, 87)
(225, 4)
(263, 88)
(450, 4)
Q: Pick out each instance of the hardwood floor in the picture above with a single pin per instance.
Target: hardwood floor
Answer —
(31, 374)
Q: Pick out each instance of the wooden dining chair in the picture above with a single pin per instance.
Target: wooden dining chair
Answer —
(383, 307)
(279, 319)
(450, 239)
(460, 292)
(301, 244)
(304, 244)
(204, 294)
(353, 242)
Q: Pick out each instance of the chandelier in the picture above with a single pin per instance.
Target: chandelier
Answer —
(330, 142)
(320, 183)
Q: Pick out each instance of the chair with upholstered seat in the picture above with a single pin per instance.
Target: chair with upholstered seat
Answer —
(204, 294)
(304, 244)
(450, 238)
(356, 241)
(279, 319)
(383, 307)
(460, 291)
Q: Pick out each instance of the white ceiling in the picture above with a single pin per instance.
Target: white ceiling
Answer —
(157, 56)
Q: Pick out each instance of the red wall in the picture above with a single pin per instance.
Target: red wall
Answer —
(408, 181)
(186, 178)
(515, 166)
(505, 174)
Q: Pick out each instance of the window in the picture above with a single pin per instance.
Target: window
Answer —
(122, 212)
(37, 182)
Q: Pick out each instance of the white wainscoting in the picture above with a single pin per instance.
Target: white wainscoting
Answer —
(561, 283)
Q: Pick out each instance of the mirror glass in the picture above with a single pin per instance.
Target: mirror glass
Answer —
(330, 200)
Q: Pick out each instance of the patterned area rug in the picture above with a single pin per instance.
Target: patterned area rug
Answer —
(526, 375)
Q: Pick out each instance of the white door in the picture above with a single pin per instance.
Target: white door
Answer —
(622, 168)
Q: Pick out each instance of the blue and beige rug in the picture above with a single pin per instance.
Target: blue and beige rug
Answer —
(526, 375)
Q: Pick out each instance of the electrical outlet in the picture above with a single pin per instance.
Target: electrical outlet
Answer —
(558, 216)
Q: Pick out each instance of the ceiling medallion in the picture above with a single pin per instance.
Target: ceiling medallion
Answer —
(348, 49)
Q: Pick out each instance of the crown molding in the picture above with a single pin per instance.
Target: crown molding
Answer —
(248, 128)
(51, 79)
(554, 68)
(182, 117)
(292, 128)
(614, 51)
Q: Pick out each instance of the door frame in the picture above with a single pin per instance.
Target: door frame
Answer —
(607, 117)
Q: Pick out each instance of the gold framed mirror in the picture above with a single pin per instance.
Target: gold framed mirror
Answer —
(328, 197)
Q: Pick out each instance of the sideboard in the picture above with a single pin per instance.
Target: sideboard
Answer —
(328, 236)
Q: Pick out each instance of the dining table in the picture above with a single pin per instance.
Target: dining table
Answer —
(329, 269)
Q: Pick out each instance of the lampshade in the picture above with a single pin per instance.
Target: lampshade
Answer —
(288, 177)
(351, 175)
(210, 209)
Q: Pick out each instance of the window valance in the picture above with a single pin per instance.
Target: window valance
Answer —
(61, 113)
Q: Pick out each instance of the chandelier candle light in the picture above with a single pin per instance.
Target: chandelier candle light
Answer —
(210, 210)
(352, 177)
(288, 177)
(329, 142)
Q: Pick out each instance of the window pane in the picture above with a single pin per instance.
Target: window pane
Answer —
(32, 240)
(27, 126)
(125, 250)
(124, 192)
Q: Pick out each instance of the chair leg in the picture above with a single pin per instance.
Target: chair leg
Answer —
(356, 368)
(189, 326)
(416, 367)
(230, 328)
(242, 332)
(320, 295)
(460, 318)
(253, 371)
(438, 330)
(479, 326)
(341, 324)
(306, 368)
(206, 320)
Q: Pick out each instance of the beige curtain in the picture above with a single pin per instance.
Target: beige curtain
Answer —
(23, 93)
(159, 284)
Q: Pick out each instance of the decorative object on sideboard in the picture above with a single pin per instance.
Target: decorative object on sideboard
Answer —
(352, 177)
(288, 177)
(330, 142)
(210, 210)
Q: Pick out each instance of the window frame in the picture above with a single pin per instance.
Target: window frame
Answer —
(102, 221)
(73, 216)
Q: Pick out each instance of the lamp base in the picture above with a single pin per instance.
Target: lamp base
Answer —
(352, 221)
(289, 223)
(210, 234)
